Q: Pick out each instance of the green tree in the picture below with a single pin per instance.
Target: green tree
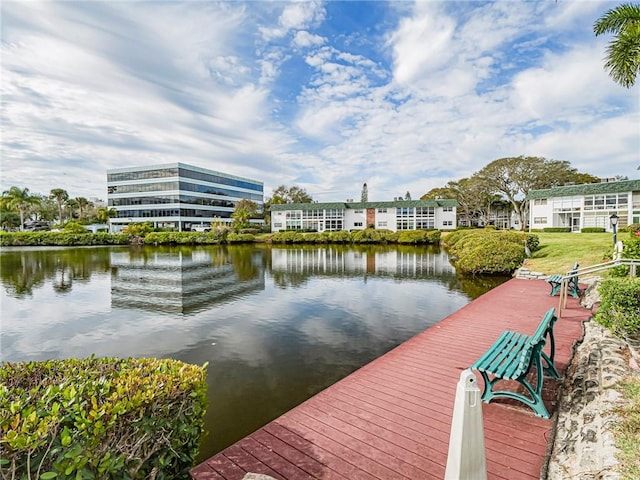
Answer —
(245, 209)
(71, 205)
(83, 205)
(21, 200)
(47, 210)
(292, 194)
(284, 194)
(60, 196)
(439, 192)
(514, 177)
(103, 214)
(407, 196)
(623, 52)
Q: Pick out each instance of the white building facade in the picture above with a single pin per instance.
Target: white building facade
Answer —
(394, 216)
(176, 195)
(586, 205)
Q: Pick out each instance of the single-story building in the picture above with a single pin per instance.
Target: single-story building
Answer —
(585, 205)
(396, 215)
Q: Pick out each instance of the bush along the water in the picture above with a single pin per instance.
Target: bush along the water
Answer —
(488, 251)
(422, 237)
(20, 239)
(371, 235)
(619, 308)
(101, 418)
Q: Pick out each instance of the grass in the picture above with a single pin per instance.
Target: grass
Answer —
(559, 251)
(628, 431)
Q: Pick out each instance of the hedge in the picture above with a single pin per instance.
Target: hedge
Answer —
(593, 230)
(630, 249)
(557, 229)
(21, 239)
(488, 251)
(619, 308)
(101, 418)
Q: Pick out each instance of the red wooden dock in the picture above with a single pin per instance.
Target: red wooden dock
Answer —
(391, 419)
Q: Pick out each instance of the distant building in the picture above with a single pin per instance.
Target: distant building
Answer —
(585, 205)
(176, 195)
(395, 216)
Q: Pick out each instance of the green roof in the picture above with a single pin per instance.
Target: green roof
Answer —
(444, 202)
(586, 189)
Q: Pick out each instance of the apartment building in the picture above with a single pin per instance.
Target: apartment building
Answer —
(585, 205)
(176, 195)
(395, 215)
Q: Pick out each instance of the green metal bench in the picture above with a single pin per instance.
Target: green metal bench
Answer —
(513, 356)
(556, 282)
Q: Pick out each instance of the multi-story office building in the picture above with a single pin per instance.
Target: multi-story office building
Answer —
(396, 215)
(177, 195)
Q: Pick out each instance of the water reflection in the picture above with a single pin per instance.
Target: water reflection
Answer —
(183, 280)
(275, 324)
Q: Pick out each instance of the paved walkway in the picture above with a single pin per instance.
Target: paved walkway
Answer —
(391, 419)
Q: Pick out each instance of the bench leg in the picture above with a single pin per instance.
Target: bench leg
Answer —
(534, 402)
(555, 289)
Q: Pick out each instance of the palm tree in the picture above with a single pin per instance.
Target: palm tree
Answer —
(60, 195)
(623, 52)
(71, 204)
(21, 200)
(105, 215)
(82, 203)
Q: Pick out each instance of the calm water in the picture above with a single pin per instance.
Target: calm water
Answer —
(275, 324)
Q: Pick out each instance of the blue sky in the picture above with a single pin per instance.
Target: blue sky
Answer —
(325, 95)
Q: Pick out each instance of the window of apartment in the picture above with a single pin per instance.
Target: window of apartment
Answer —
(358, 211)
(539, 220)
(404, 224)
(277, 225)
(427, 224)
(540, 201)
(447, 209)
(447, 223)
(382, 210)
(333, 213)
(357, 224)
(382, 224)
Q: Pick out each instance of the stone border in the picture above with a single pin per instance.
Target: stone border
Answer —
(583, 446)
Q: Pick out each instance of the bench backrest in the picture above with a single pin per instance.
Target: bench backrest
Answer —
(536, 342)
(574, 270)
(546, 325)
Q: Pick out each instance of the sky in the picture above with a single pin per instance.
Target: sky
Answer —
(402, 95)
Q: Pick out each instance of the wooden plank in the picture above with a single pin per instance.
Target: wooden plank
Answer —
(391, 419)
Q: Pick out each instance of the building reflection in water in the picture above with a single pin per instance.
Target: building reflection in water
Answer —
(184, 282)
(372, 261)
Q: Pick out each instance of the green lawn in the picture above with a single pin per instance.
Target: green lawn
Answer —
(559, 251)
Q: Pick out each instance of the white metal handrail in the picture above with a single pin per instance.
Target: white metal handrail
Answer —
(632, 263)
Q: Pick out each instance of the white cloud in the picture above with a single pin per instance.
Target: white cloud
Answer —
(304, 39)
(422, 43)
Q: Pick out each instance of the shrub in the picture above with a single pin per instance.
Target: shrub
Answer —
(339, 237)
(488, 251)
(419, 237)
(138, 229)
(593, 230)
(181, 238)
(630, 249)
(21, 239)
(240, 238)
(557, 229)
(633, 229)
(74, 227)
(619, 308)
(100, 418)
(250, 231)
(371, 235)
(490, 254)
